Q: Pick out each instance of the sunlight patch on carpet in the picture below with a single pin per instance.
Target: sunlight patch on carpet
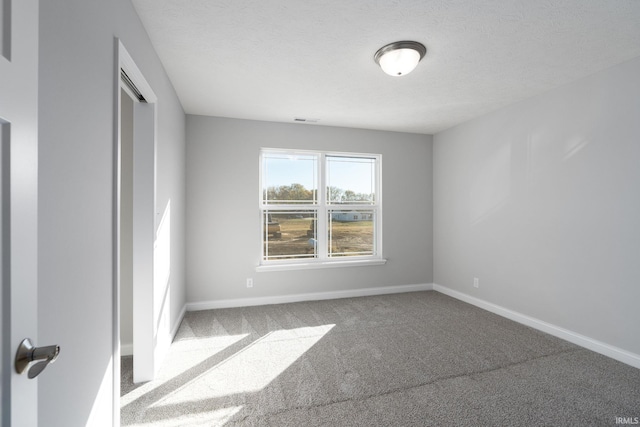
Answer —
(189, 353)
(201, 419)
(250, 369)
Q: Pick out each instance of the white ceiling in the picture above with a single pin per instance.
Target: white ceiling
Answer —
(275, 60)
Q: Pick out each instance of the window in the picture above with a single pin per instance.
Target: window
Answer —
(319, 208)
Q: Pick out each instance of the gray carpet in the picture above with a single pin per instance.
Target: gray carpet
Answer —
(415, 359)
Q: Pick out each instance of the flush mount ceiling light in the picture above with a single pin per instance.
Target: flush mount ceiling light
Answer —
(400, 58)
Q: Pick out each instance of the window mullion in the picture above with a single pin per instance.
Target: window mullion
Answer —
(321, 223)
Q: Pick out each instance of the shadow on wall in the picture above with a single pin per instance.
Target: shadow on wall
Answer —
(162, 284)
(491, 185)
(545, 152)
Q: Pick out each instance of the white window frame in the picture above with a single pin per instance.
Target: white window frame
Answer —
(322, 207)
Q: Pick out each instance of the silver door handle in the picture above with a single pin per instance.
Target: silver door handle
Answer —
(27, 353)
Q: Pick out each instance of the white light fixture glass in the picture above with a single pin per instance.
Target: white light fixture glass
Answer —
(400, 58)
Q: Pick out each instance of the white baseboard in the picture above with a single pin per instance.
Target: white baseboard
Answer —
(176, 324)
(247, 302)
(126, 349)
(565, 334)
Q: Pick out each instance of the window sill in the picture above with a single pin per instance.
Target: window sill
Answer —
(323, 264)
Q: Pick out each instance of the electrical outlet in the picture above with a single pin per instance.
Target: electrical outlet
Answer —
(249, 283)
(476, 282)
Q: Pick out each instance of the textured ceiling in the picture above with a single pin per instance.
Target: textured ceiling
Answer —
(275, 60)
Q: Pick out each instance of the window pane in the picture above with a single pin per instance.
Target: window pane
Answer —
(351, 232)
(351, 180)
(289, 234)
(289, 178)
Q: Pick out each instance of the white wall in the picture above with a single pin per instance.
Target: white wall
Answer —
(541, 202)
(76, 118)
(223, 222)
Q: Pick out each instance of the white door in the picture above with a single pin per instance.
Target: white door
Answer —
(19, 180)
(150, 237)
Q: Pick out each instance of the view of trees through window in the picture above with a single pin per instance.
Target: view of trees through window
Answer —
(297, 192)
(293, 212)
